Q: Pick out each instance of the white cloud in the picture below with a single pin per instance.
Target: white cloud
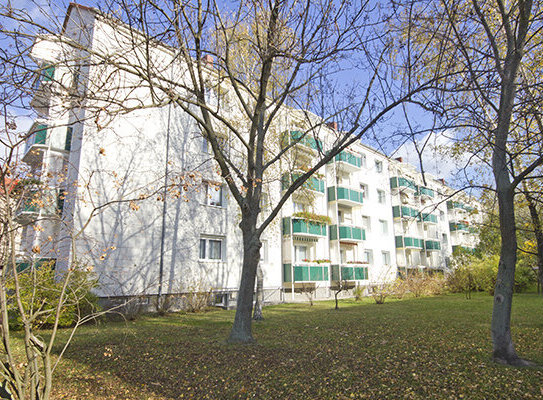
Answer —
(436, 158)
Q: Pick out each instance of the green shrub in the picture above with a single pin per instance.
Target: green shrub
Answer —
(480, 275)
(40, 290)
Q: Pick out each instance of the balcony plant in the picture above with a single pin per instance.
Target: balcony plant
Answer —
(310, 216)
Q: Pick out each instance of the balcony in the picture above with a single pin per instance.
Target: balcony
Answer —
(305, 145)
(425, 192)
(463, 249)
(349, 272)
(305, 273)
(313, 183)
(459, 227)
(35, 145)
(303, 227)
(345, 196)
(42, 89)
(432, 245)
(409, 243)
(405, 212)
(48, 202)
(429, 218)
(348, 161)
(347, 233)
(456, 205)
(403, 183)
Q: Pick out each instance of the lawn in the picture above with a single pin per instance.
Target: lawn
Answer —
(426, 348)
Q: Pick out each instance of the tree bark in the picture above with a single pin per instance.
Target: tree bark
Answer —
(257, 315)
(241, 329)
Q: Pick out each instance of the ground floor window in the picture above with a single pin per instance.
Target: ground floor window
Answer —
(211, 248)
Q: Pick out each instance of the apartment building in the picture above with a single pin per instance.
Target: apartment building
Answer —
(138, 197)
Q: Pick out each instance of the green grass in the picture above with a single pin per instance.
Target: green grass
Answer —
(428, 348)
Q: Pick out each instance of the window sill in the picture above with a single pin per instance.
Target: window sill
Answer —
(214, 206)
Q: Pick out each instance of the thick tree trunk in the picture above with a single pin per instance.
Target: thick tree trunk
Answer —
(257, 315)
(503, 347)
(241, 329)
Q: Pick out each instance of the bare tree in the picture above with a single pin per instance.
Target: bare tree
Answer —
(485, 45)
(187, 54)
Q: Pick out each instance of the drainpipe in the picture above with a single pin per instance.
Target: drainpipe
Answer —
(164, 208)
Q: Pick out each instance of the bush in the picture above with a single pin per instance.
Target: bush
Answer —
(358, 292)
(40, 291)
(480, 275)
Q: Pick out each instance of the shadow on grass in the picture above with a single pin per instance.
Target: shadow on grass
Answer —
(416, 348)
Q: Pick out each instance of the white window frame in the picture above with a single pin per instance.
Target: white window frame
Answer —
(206, 251)
(379, 166)
(214, 195)
(365, 191)
(297, 252)
(366, 222)
(384, 226)
(386, 257)
(367, 256)
(381, 196)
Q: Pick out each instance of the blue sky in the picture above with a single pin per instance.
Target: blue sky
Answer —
(51, 14)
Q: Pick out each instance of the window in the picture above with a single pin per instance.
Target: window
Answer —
(386, 257)
(211, 249)
(68, 142)
(300, 253)
(205, 146)
(381, 196)
(384, 226)
(368, 256)
(264, 252)
(444, 238)
(214, 195)
(264, 201)
(343, 256)
(299, 207)
(366, 223)
(363, 160)
(441, 216)
(379, 166)
(364, 190)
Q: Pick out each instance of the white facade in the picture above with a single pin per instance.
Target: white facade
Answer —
(109, 201)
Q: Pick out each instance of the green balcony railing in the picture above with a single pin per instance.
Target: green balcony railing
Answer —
(301, 226)
(405, 212)
(349, 158)
(349, 273)
(425, 191)
(399, 182)
(302, 139)
(458, 226)
(431, 218)
(463, 249)
(49, 202)
(432, 245)
(313, 183)
(345, 194)
(458, 205)
(39, 135)
(402, 242)
(305, 273)
(347, 232)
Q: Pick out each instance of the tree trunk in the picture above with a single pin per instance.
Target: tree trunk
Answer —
(257, 315)
(503, 347)
(241, 329)
(538, 232)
